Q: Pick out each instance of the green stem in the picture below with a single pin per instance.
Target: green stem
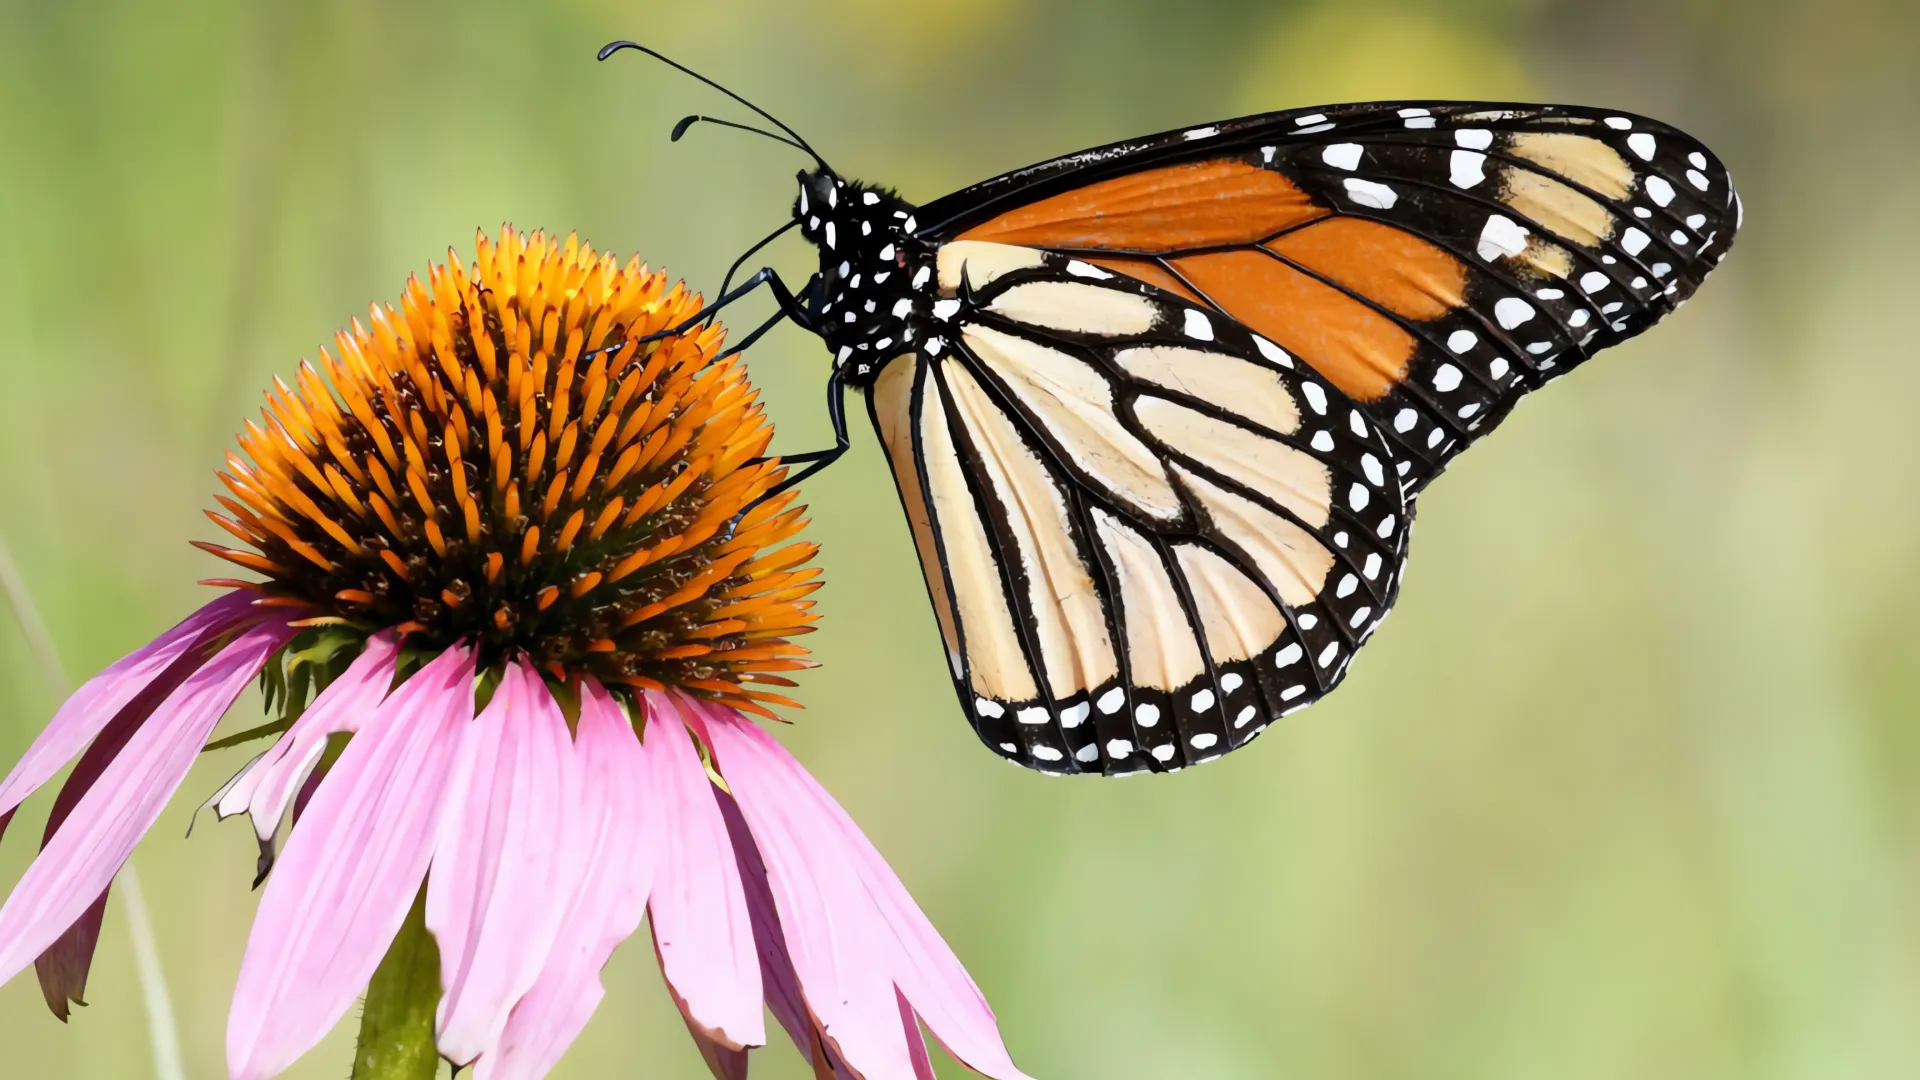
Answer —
(396, 1027)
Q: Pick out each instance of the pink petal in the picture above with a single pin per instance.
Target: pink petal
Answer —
(922, 964)
(64, 966)
(781, 985)
(102, 697)
(270, 781)
(724, 1062)
(94, 841)
(700, 924)
(351, 870)
(832, 929)
(608, 871)
(497, 891)
(922, 1065)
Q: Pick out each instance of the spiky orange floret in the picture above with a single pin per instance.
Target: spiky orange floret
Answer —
(504, 460)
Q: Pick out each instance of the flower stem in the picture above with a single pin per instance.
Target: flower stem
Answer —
(396, 1027)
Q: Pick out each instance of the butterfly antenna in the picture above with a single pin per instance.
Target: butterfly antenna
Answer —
(686, 122)
(679, 129)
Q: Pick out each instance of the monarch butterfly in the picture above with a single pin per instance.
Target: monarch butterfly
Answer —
(1159, 411)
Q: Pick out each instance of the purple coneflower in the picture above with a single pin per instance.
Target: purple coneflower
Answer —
(522, 586)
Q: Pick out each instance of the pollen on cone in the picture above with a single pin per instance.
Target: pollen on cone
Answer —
(504, 459)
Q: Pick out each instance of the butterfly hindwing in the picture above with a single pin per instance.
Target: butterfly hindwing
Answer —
(1147, 531)
(1434, 261)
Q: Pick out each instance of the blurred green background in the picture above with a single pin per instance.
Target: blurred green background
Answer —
(1627, 786)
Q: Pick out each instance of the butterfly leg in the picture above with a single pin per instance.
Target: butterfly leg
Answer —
(790, 308)
(727, 281)
(812, 461)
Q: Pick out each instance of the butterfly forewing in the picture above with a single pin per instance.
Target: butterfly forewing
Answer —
(1432, 261)
(1147, 530)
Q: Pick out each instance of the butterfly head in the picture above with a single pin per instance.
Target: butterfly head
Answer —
(874, 293)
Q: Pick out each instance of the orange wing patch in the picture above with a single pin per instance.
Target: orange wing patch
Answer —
(1401, 272)
(1219, 203)
(1354, 347)
(1199, 204)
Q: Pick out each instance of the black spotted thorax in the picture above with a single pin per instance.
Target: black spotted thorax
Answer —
(875, 296)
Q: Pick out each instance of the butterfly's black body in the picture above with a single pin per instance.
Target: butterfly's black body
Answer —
(1158, 412)
(873, 298)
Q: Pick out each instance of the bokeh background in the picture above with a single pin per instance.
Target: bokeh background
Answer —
(1629, 786)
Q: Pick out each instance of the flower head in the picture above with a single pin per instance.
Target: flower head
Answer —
(508, 460)
(520, 562)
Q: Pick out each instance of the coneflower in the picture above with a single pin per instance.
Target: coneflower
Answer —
(518, 573)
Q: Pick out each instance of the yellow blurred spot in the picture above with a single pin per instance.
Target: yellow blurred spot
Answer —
(1364, 52)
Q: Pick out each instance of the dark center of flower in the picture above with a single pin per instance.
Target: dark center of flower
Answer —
(503, 460)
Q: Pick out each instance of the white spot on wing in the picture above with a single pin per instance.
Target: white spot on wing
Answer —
(1344, 155)
(1511, 311)
(1461, 340)
(1369, 193)
(1272, 352)
(1501, 236)
(1659, 190)
(1468, 167)
(1641, 144)
(1200, 133)
(1197, 327)
(1473, 138)
(1633, 241)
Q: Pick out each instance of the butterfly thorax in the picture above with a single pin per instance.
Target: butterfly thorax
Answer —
(875, 293)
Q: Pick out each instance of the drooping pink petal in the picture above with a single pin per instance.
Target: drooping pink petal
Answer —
(832, 928)
(95, 839)
(922, 1064)
(608, 870)
(499, 884)
(63, 967)
(700, 925)
(103, 697)
(923, 965)
(350, 872)
(724, 1062)
(267, 785)
(777, 979)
